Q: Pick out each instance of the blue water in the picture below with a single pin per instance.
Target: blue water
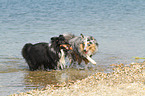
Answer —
(118, 26)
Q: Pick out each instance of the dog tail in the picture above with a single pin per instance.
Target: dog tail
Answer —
(25, 50)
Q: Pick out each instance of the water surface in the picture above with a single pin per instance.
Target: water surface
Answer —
(118, 26)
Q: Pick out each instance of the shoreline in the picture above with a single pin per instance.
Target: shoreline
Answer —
(128, 80)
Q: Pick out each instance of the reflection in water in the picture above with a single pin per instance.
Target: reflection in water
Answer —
(40, 79)
(15, 76)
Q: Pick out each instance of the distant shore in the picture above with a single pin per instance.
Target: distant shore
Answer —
(125, 80)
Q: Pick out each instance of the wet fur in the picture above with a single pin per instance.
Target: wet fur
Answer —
(45, 56)
(78, 44)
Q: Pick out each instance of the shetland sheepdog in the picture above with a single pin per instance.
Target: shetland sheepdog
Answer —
(46, 56)
(83, 48)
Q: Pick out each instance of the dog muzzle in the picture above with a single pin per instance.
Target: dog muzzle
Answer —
(66, 46)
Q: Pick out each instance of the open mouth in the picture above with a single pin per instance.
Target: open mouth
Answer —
(86, 52)
(66, 46)
(89, 58)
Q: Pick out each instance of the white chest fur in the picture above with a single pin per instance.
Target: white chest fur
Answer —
(62, 60)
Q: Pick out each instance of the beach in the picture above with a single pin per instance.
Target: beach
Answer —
(117, 25)
(125, 80)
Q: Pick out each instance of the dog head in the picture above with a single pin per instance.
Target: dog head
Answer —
(61, 47)
(61, 43)
(88, 46)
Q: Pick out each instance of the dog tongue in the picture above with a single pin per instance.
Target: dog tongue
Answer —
(91, 60)
(86, 52)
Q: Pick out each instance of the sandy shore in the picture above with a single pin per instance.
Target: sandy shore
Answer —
(123, 81)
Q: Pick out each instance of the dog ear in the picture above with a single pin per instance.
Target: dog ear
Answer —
(82, 36)
(61, 37)
(54, 39)
(91, 37)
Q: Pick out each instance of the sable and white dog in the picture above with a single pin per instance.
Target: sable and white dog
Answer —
(83, 48)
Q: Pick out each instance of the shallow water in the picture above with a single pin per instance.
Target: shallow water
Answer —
(118, 26)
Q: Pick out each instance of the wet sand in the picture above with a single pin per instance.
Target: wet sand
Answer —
(125, 80)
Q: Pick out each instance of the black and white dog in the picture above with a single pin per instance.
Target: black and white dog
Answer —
(84, 47)
(46, 56)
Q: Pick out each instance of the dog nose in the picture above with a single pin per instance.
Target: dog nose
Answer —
(85, 50)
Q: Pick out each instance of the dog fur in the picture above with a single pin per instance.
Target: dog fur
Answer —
(84, 47)
(46, 56)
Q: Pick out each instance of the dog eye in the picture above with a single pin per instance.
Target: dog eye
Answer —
(91, 43)
(83, 44)
(88, 40)
(88, 44)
